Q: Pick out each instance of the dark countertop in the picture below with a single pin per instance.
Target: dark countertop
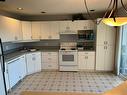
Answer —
(18, 53)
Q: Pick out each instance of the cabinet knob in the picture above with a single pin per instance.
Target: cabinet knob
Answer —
(106, 42)
(40, 37)
(105, 47)
(85, 27)
(33, 58)
(49, 58)
(16, 38)
(67, 27)
(86, 57)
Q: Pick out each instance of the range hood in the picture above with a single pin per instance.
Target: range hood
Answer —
(68, 32)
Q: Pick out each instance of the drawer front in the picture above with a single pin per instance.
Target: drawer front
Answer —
(49, 59)
(86, 53)
(49, 66)
(50, 53)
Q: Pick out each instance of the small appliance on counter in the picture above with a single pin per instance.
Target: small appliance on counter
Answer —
(28, 50)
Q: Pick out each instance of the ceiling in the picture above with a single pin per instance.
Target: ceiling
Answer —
(51, 7)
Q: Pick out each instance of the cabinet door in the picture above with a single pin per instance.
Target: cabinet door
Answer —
(22, 69)
(6, 76)
(82, 25)
(9, 27)
(81, 62)
(100, 58)
(13, 72)
(26, 30)
(73, 26)
(64, 26)
(36, 30)
(17, 30)
(30, 64)
(37, 61)
(68, 27)
(45, 30)
(101, 34)
(109, 58)
(90, 62)
(111, 35)
(54, 30)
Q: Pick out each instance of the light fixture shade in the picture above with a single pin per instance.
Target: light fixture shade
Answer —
(119, 21)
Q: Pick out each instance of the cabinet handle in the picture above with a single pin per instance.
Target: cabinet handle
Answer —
(106, 42)
(40, 37)
(49, 58)
(86, 57)
(49, 66)
(85, 27)
(33, 58)
(106, 47)
(67, 27)
(16, 38)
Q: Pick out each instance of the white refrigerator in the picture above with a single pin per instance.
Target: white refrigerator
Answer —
(2, 70)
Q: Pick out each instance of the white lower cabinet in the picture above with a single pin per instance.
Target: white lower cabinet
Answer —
(49, 60)
(86, 60)
(15, 71)
(33, 61)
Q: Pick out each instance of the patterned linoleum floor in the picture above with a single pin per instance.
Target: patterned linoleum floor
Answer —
(67, 82)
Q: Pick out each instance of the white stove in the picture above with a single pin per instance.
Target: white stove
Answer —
(68, 57)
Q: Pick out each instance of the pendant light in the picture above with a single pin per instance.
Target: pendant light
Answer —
(110, 17)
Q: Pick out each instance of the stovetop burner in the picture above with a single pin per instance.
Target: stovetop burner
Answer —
(62, 49)
(68, 49)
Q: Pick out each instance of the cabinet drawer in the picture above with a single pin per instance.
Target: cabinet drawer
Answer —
(49, 66)
(86, 53)
(50, 53)
(47, 59)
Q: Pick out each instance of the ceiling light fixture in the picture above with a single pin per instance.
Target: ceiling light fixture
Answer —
(111, 15)
(19, 8)
(43, 12)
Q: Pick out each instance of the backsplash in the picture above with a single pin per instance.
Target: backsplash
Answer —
(10, 47)
(43, 43)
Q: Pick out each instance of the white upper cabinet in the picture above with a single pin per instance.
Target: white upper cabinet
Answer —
(68, 27)
(85, 25)
(111, 35)
(26, 30)
(54, 32)
(49, 30)
(105, 34)
(10, 29)
(45, 30)
(36, 30)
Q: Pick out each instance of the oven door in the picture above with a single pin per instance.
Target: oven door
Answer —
(68, 58)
